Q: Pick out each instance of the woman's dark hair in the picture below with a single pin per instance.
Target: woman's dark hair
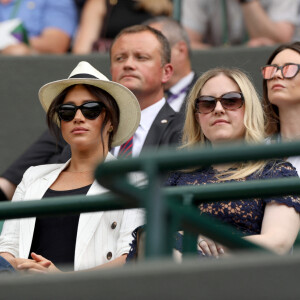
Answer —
(112, 112)
(271, 110)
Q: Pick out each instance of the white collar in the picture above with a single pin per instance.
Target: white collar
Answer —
(149, 114)
(182, 83)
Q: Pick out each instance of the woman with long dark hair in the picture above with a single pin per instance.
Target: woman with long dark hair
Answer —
(93, 114)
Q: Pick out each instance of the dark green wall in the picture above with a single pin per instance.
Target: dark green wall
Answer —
(22, 118)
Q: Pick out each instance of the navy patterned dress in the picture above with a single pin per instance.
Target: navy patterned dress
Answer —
(245, 215)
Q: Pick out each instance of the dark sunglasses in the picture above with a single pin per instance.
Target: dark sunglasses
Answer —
(90, 110)
(288, 71)
(229, 101)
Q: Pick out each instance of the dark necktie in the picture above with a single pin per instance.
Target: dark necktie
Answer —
(126, 149)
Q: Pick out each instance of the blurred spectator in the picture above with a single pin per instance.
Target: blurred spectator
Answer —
(49, 25)
(183, 78)
(102, 20)
(297, 30)
(234, 22)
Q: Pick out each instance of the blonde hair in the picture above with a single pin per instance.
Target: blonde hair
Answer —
(253, 119)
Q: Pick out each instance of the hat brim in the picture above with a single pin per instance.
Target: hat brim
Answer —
(130, 112)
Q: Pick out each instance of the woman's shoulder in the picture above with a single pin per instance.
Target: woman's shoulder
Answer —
(278, 168)
(41, 171)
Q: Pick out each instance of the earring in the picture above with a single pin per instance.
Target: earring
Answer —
(110, 129)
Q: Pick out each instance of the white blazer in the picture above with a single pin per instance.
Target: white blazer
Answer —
(97, 240)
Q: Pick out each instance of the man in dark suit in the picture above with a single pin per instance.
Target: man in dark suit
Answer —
(140, 60)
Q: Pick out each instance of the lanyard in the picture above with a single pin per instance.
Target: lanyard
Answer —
(170, 96)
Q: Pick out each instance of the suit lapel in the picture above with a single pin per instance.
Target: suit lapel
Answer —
(158, 127)
(88, 224)
(35, 192)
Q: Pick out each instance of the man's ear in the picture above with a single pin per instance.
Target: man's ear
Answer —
(167, 72)
(181, 48)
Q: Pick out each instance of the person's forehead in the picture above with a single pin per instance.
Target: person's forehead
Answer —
(142, 40)
(287, 55)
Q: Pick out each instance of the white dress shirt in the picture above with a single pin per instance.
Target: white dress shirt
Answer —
(148, 116)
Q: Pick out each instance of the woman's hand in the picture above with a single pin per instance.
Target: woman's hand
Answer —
(39, 264)
(209, 247)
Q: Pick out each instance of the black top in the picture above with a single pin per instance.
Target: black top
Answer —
(55, 237)
(121, 15)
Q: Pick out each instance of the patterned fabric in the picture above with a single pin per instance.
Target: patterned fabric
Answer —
(245, 214)
(126, 149)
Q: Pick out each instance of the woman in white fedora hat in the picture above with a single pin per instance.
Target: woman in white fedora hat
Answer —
(94, 114)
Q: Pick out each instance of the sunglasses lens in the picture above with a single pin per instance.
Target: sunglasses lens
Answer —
(205, 104)
(268, 72)
(232, 101)
(67, 112)
(290, 71)
(91, 110)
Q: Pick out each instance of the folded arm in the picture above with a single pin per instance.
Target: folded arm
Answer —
(260, 26)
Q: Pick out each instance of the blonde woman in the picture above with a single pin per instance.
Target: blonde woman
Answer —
(223, 107)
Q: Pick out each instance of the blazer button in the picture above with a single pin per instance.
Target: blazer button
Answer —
(109, 256)
(113, 225)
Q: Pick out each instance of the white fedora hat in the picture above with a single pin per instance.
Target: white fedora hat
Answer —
(84, 73)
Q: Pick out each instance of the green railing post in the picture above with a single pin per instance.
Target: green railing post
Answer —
(189, 238)
(156, 213)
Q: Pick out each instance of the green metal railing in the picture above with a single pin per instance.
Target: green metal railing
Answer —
(170, 209)
(160, 204)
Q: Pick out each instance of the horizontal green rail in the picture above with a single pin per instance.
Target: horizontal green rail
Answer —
(109, 201)
(237, 190)
(63, 205)
(176, 199)
(170, 159)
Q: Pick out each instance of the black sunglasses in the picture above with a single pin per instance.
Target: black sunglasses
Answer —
(288, 70)
(229, 101)
(90, 110)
